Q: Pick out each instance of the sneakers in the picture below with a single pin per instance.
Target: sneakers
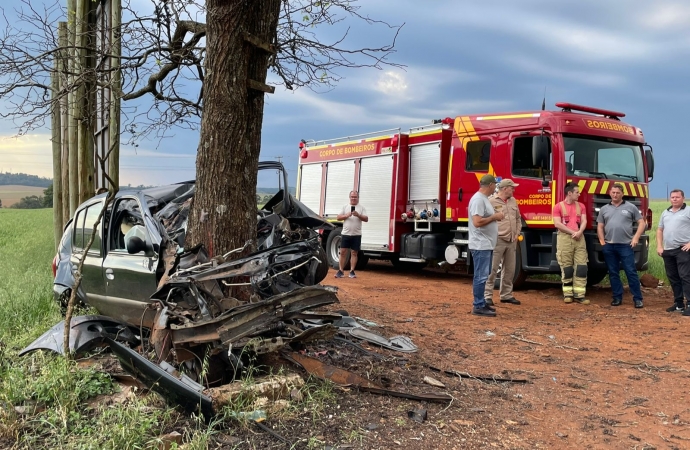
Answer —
(339, 274)
(616, 302)
(568, 300)
(511, 300)
(489, 302)
(675, 308)
(485, 312)
(686, 311)
(352, 274)
(582, 301)
(638, 303)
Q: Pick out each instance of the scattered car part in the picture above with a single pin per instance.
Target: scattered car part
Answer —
(418, 415)
(347, 378)
(186, 393)
(455, 373)
(398, 343)
(86, 333)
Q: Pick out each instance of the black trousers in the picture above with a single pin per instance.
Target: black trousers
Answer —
(677, 264)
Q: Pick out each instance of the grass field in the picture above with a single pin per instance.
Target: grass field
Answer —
(43, 397)
(11, 194)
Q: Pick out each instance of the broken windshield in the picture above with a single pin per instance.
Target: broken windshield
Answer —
(603, 158)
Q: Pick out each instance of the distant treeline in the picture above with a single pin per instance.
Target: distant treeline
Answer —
(24, 179)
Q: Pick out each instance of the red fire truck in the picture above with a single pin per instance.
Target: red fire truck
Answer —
(416, 184)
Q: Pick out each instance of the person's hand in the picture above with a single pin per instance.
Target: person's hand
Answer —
(499, 215)
(659, 250)
(686, 247)
(634, 241)
(602, 242)
(576, 235)
(354, 213)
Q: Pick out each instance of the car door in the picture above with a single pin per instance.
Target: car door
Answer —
(92, 285)
(130, 279)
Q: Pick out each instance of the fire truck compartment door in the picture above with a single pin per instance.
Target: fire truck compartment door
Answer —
(375, 191)
(425, 163)
(310, 186)
(340, 180)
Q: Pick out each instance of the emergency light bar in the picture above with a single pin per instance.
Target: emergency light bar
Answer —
(569, 107)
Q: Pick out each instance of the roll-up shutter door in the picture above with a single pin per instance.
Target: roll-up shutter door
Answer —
(310, 186)
(375, 193)
(425, 163)
(340, 180)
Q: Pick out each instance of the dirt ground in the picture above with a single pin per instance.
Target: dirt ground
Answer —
(598, 376)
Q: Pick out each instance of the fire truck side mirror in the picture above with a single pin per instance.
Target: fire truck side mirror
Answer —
(649, 156)
(541, 148)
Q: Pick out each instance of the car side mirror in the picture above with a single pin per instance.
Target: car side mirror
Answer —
(136, 241)
(135, 245)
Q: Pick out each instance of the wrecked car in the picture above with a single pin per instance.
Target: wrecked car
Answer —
(139, 242)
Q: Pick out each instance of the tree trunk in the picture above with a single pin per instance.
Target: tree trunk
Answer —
(115, 94)
(73, 124)
(64, 119)
(223, 215)
(56, 130)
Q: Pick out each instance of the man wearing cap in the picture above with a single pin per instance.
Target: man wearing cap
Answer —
(504, 252)
(483, 233)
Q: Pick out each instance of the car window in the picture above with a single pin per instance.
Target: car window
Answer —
(89, 220)
(78, 240)
(126, 215)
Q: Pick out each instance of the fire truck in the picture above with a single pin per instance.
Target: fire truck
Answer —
(416, 184)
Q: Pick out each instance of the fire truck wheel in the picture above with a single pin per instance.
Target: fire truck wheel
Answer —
(595, 277)
(333, 252)
(333, 247)
(322, 269)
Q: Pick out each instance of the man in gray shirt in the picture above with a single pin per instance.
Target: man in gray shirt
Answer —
(615, 231)
(483, 233)
(673, 244)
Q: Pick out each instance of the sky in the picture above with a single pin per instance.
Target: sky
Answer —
(462, 58)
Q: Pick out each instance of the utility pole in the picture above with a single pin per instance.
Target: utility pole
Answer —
(278, 158)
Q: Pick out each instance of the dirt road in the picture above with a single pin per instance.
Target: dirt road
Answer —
(600, 376)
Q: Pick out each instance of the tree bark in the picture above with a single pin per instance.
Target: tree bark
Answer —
(115, 93)
(64, 120)
(56, 138)
(223, 215)
(73, 124)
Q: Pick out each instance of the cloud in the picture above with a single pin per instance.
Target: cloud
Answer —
(391, 83)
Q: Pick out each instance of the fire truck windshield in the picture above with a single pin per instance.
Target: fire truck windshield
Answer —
(603, 158)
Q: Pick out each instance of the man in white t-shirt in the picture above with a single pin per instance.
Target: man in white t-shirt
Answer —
(353, 214)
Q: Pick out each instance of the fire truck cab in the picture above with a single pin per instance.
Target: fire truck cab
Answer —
(416, 184)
